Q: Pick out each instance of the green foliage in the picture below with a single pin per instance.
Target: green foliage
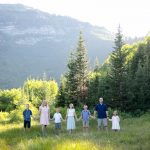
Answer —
(4, 116)
(9, 99)
(38, 90)
(118, 73)
(124, 79)
(16, 115)
(13, 101)
(73, 86)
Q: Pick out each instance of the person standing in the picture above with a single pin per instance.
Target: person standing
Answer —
(102, 113)
(85, 115)
(27, 113)
(57, 119)
(71, 116)
(115, 121)
(44, 116)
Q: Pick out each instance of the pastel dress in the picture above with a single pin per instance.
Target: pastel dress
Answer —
(115, 122)
(44, 118)
(70, 119)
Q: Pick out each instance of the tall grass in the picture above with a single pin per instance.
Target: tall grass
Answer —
(135, 135)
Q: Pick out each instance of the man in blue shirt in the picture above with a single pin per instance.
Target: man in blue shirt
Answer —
(102, 113)
(27, 113)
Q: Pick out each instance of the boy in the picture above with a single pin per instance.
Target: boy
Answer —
(85, 115)
(27, 113)
(57, 119)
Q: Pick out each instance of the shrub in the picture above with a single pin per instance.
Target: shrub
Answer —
(4, 116)
(17, 114)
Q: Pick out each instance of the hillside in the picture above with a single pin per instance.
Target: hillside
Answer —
(33, 42)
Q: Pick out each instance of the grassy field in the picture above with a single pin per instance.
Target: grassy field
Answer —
(135, 135)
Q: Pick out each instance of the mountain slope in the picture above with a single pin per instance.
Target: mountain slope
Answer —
(33, 42)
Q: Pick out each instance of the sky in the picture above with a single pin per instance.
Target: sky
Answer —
(132, 15)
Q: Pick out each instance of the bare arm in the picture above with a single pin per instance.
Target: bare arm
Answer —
(107, 113)
(39, 111)
(66, 115)
(110, 119)
(94, 114)
(49, 115)
(75, 115)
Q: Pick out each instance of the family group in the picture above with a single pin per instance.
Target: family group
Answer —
(100, 109)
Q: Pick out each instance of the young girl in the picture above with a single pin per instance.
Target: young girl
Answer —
(115, 121)
(44, 116)
(70, 116)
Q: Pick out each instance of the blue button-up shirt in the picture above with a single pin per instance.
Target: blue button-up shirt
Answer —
(101, 110)
(27, 113)
(85, 115)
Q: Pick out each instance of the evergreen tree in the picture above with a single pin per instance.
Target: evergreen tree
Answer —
(82, 69)
(72, 83)
(97, 65)
(118, 72)
(76, 76)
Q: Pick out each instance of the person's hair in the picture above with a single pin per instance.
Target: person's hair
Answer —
(85, 105)
(115, 111)
(43, 103)
(72, 105)
(58, 108)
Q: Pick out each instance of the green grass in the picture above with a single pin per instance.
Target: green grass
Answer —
(135, 135)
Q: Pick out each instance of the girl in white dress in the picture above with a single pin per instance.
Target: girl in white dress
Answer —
(115, 121)
(70, 116)
(44, 116)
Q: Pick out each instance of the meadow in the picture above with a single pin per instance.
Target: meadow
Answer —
(134, 135)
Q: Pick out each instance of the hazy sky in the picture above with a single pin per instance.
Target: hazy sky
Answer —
(133, 15)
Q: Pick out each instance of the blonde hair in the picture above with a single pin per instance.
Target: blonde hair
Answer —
(71, 105)
(115, 112)
(44, 103)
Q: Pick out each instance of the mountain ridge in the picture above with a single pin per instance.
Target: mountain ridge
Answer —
(32, 42)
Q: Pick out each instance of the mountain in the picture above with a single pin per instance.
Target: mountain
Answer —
(33, 42)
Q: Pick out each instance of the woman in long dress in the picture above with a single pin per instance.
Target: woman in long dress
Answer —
(70, 116)
(44, 116)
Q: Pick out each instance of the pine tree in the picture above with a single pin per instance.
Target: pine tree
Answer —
(96, 65)
(82, 69)
(72, 83)
(76, 76)
(118, 72)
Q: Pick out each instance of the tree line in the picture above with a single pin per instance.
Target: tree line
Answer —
(123, 80)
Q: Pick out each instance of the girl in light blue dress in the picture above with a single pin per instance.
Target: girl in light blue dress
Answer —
(71, 116)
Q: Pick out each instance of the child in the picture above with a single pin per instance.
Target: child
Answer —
(115, 121)
(27, 113)
(44, 113)
(57, 119)
(85, 115)
(70, 116)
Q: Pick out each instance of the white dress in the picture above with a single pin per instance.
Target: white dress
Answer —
(115, 122)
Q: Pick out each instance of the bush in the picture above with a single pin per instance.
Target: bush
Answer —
(9, 99)
(17, 114)
(4, 116)
(38, 90)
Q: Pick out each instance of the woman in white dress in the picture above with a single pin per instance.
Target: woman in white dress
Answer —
(44, 116)
(71, 116)
(115, 121)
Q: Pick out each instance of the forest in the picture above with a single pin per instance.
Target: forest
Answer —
(123, 80)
